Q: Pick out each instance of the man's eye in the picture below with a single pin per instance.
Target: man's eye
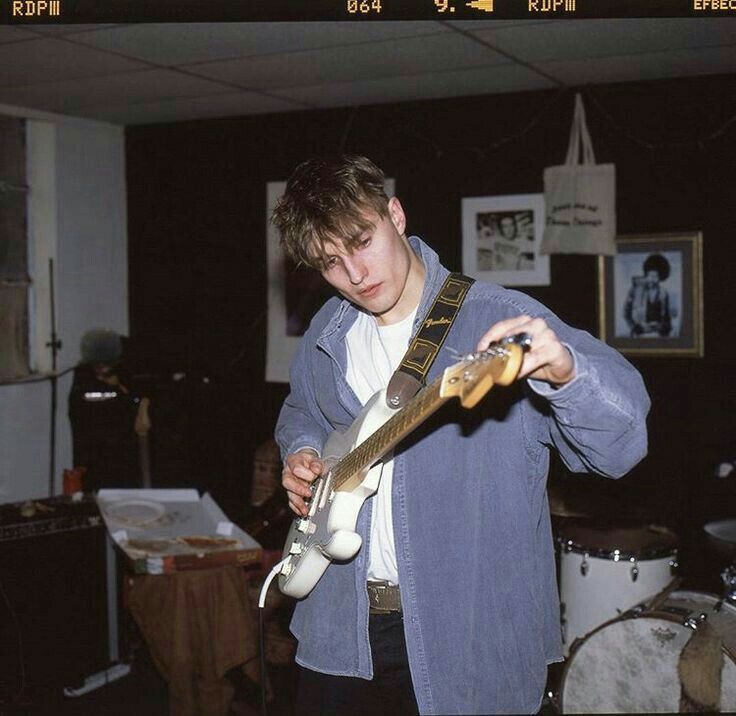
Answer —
(365, 242)
(332, 261)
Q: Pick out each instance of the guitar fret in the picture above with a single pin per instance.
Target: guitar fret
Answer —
(389, 434)
(395, 428)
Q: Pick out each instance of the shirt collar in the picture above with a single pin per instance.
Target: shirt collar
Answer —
(435, 274)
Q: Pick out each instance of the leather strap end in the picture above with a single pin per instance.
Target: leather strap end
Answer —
(401, 389)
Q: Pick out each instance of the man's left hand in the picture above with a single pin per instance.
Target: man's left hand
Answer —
(547, 359)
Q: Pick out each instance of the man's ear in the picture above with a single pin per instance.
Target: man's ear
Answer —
(396, 214)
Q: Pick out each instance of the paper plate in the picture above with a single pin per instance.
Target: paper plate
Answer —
(135, 512)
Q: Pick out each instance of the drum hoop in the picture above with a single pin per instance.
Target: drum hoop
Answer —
(617, 555)
(664, 615)
(575, 646)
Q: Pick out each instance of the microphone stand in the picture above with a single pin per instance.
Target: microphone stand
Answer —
(55, 345)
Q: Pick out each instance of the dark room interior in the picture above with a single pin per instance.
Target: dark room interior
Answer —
(191, 279)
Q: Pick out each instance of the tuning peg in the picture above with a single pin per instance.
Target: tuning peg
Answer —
(524, 340)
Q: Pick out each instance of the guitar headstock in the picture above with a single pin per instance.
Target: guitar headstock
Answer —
(476, 374)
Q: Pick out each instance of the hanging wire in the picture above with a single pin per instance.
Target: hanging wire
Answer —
(481, 153)
(439, 152)
(699, 142)
(414, 134)
(346, 131)
(530, 125)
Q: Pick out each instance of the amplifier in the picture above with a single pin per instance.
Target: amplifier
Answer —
(53, 593)
(52, 515)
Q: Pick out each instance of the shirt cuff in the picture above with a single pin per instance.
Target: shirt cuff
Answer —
(549, 391)
(306, 447)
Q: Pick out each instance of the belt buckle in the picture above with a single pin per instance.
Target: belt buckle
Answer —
(378, 592)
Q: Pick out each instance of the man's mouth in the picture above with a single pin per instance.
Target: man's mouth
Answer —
(369, 291)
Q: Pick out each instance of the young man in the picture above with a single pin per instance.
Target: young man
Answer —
(459, 529)
(647, 309)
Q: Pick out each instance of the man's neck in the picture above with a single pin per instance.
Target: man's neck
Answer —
(410, 296)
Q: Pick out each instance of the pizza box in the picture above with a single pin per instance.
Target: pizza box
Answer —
(164, 531)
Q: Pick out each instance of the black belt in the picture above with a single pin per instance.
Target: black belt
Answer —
(384, 598)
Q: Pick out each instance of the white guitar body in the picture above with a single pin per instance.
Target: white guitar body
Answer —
(329, 530)
(352, 462)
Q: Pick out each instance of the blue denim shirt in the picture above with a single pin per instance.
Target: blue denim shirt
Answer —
(471, 521)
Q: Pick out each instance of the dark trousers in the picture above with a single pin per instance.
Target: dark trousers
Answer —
(390, 691)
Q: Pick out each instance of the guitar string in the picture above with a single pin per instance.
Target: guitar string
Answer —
(378, 443)
(359, 457)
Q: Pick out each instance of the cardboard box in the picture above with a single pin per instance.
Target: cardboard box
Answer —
(164, 531)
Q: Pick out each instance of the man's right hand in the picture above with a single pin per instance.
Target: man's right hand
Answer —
(299, 472)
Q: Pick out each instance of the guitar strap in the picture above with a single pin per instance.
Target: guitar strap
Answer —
(411, 374)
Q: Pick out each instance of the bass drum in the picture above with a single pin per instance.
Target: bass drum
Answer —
(630, 665)
(604, 572)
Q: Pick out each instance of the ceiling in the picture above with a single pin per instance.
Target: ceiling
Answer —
(147, 73)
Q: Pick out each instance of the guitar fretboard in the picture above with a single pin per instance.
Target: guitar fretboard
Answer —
(398, 426)
(390, 433)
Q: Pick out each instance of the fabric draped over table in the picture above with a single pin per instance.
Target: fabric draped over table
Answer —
(198, 626)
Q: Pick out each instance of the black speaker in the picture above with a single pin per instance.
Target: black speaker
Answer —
(53, 594)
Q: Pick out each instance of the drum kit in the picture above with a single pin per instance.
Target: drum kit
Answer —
(633, 640)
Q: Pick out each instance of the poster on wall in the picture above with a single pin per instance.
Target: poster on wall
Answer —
(295, 294)
(651, 295)
(501, 239)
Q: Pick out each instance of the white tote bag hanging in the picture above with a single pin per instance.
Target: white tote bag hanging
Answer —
(580, 198)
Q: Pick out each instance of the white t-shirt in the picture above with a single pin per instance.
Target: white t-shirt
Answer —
(374, 352)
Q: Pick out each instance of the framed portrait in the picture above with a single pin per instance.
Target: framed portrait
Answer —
(501, 239)
(650, 295)
(295, 294)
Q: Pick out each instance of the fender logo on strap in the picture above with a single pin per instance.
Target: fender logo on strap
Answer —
(436, 322)
(412, 372)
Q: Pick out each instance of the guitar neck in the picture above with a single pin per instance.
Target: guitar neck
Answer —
(469, 380)
(416, 411)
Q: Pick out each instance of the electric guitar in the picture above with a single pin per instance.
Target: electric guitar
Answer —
(353, 467)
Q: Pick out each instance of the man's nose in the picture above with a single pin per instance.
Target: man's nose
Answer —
(355, 269)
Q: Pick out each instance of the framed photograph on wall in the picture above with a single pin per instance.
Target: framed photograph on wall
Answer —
(501, 239)
(295, 294)
(650, 295)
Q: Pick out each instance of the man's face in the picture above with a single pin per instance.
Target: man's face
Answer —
(508, 227)
(651, 280)
(374, 274)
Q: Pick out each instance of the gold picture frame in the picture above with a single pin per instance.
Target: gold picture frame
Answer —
(650, 295)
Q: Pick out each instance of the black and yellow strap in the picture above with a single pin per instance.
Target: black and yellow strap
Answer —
(412, 372)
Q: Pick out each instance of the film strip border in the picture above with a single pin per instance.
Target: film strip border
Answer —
(22, 12)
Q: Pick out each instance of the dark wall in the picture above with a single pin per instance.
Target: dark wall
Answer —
(197, 228)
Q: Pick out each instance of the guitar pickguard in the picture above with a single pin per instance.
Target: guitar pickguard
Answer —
(329, 529)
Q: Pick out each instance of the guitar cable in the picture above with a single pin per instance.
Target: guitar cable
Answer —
(261, 640)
